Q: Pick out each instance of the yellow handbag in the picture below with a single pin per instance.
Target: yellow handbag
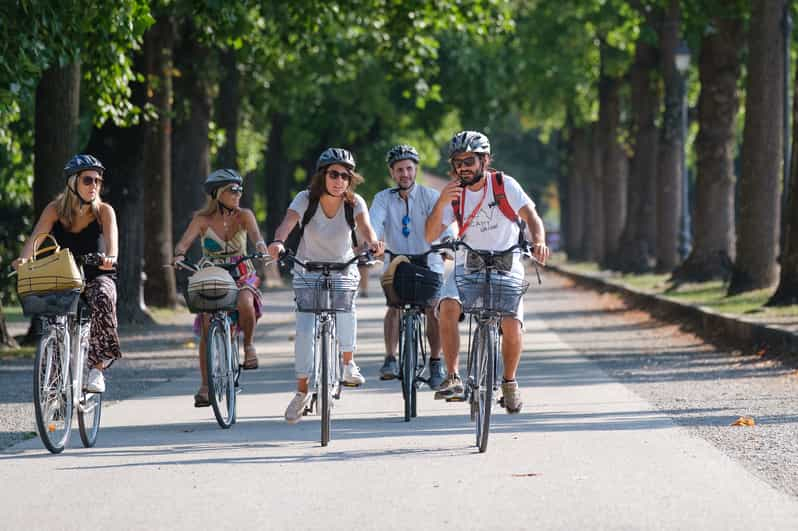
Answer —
(56, 272)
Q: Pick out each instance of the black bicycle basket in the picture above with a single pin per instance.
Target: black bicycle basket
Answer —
(412, 284)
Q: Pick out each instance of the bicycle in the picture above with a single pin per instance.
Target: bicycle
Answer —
(216, 293)
(60, 367)
(488, 294)
(411, 290)
(320, 292)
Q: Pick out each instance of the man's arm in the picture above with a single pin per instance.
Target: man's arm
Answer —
(535, 225)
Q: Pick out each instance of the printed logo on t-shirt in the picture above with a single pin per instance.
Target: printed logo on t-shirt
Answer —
(483, 221)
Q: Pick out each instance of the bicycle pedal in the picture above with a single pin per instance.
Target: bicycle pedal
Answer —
(455, 399)
(347, 384)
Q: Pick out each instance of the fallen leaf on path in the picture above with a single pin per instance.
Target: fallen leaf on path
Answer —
(744, 421)
(761, 352)
(189, 344)
(526, 475)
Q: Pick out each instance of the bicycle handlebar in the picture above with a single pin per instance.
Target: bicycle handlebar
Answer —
(229, 266)
(363, 258)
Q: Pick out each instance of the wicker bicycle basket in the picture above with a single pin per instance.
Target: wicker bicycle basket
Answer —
(501, 295)
(318, 293)
(211, 290)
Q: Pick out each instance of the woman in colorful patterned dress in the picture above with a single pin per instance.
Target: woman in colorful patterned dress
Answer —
(223, 226)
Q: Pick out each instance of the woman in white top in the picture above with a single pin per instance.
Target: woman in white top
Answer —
(326, 238)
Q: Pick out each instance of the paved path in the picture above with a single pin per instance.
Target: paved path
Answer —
(586, 453)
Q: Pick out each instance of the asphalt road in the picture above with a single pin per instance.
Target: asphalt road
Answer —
(592, 449)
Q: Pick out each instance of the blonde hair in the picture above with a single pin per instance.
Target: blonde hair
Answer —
(67, 203)
(212, 204)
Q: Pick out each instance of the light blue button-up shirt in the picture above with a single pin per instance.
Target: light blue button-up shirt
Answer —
(387, 211)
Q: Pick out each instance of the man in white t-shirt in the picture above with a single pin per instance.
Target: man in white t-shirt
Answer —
(398, 216)
(484, 223)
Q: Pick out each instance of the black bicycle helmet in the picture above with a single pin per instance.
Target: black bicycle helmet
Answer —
(401, 152)
(220, 178)
(469, 141)
(78, 163)
(335, 156)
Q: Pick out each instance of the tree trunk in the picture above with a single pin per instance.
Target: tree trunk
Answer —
(576, 193)
(596, 227)
(160, 288)
(759, 206)
(122, 150)
(278, 189)
(590, 192)
(671, 147)
(190, 145)
(787, 291)
(228, 110)
(613, 175)
(56, 130)
(638, 241)
(718, 105)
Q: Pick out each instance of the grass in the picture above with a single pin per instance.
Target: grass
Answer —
(710, 295)
(17, 353)
(13, 314)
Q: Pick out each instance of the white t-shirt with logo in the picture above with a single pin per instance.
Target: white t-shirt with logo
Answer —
(490, 229)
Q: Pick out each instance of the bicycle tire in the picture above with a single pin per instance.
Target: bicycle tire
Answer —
(325, 389)
(409, 361)
(89, 421)
(473, 375)
(48, 375)
(487, 374)
(221, 387)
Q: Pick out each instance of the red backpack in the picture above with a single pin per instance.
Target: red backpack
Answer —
(499, 199)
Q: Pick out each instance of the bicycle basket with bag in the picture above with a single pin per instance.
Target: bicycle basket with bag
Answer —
(51, 284)
(211, 289)
(407, 283)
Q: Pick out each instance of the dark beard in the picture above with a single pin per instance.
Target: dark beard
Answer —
(473, 180)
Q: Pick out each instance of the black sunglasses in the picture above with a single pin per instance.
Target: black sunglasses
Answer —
(236, 189)
(335, 175)
(468, 161)
(88, 180)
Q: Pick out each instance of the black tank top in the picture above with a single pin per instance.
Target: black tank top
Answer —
(83, 242)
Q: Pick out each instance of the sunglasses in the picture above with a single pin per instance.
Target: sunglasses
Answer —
(88, 180)
(468, 161)
(405, 228)
(236, 189)
(335, 175)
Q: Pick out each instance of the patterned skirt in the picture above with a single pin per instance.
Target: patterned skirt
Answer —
(100, 293)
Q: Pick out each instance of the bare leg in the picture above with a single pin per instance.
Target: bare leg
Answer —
(302, 385)
(512, 343)
(391, 330)
(433, 334)
(450, 337)
(202, 363)
(246, 315)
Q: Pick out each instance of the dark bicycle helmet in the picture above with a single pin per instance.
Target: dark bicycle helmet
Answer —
(78, 163)
(401, 152)
(220, 178)
(335, 156)
(469, 141)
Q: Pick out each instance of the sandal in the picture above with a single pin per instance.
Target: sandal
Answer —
(201, 399)
(250, 358)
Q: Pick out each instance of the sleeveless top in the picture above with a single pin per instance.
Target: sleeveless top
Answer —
(215, 247)
(88, 240)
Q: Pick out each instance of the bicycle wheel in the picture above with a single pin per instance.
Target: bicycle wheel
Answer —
(487, 377)
(89, 412)
(325, 400)
(473, 373)
(221, 387)
(409, 361)
(52, 392)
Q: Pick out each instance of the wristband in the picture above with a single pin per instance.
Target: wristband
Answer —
(276, 241)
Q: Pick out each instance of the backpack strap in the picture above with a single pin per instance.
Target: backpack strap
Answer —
(500, 200)
(458, 217)
(349, 213)
(313, 205)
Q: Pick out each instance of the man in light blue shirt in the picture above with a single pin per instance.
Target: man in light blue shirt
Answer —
(398, 216)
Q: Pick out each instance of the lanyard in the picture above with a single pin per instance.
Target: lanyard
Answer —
(473, 214)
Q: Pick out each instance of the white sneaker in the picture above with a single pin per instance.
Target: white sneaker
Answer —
(352, 374)
(296, 407)
(96, 381)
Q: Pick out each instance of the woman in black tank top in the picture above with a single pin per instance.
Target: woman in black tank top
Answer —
(81, 222)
